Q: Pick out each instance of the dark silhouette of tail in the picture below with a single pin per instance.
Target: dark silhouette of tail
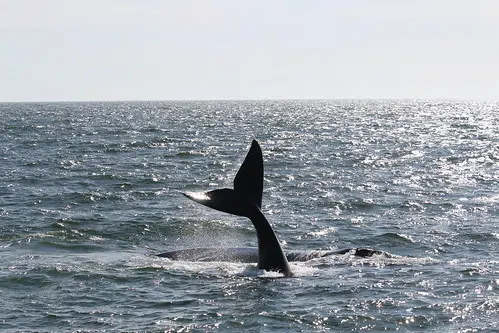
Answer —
(246, 200)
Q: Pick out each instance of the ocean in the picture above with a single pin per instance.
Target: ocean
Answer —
(90, 192)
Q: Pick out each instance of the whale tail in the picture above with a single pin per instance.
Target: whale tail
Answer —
(246, 200)
(247, 192)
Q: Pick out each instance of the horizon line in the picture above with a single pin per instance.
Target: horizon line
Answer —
(258, 100)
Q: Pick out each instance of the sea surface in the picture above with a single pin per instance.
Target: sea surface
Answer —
(90, 192)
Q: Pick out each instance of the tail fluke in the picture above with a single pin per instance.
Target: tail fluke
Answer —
(248, 188)
(225, 200)
(249, 178)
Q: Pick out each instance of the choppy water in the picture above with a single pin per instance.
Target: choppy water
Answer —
(89, 191)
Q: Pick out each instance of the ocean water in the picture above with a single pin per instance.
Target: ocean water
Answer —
(89, 192)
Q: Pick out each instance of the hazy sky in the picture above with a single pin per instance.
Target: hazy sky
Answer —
(53, 50)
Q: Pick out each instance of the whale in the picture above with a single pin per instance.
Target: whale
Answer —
(245, 199)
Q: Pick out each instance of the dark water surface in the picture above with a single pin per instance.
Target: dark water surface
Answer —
(90, 191)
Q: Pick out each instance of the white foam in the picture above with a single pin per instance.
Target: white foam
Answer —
(313, 267)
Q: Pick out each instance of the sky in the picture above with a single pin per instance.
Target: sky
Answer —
(108, 50)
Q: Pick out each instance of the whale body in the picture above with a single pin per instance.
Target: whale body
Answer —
(250, 254)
